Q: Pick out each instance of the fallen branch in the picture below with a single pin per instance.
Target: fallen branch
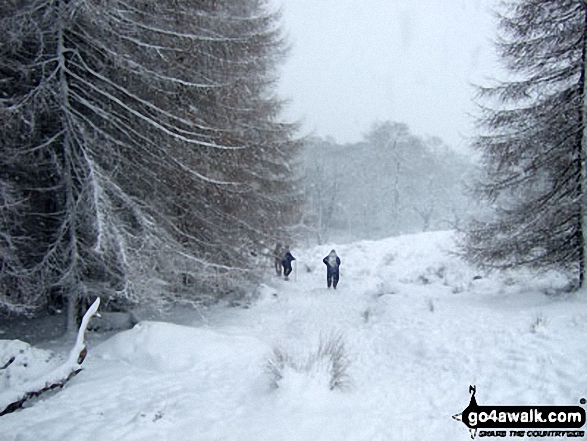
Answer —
(8, 363)
(12, 400)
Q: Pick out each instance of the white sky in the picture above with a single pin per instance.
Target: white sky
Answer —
(354, 62)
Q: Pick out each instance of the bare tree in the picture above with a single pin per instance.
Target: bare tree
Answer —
(393, 182)
(399, 163)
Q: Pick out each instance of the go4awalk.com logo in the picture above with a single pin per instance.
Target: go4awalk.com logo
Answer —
(522, 421)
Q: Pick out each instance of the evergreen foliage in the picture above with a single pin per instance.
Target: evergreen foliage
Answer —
(533, 142)
(142, 157)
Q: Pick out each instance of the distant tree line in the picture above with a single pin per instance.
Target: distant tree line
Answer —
(533, 140)
(142, 157)
(391, 183)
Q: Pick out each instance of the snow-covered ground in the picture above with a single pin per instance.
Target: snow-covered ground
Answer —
(416, 327)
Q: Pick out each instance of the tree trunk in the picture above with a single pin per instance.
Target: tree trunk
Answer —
(72, 312)
(583, 156)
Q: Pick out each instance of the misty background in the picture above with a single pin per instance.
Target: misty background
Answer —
(385, 93)
(352, 63)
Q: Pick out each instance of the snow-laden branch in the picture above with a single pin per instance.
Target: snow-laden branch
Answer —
(178, 164)
(41, 146)
(75, 356)
(138, 67)
(136, 98)
(151, 121)
(124, 19)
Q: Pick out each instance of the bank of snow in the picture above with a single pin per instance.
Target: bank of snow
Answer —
(417, 325)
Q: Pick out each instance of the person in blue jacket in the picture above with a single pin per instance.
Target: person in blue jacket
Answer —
(286, 262)
(332, 262)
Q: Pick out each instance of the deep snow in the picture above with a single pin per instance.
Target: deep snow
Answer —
(417, 327)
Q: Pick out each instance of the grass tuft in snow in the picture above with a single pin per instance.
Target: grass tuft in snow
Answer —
(538, 324)
(389, 258)
(366, 315)
(329, 362)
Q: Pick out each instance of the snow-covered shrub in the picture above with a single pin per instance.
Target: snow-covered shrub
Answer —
(326, 366)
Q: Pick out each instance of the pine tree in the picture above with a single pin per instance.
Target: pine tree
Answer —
(533, 144)
(142, 157)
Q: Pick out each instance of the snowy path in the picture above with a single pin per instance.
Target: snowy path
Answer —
(417, 328)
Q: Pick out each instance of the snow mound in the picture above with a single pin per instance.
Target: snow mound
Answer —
(423, 262)
(419, 327)
(29, 362)
(169, 347)
(379, 266)
(307, 388)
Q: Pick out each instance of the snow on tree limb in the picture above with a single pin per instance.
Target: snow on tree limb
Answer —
(79, 343)
(533, 144)
(13, 399)
(128, 158)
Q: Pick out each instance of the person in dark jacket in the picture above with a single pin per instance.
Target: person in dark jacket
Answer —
(286, 262)
(332, 262)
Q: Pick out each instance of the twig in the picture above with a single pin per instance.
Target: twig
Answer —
(8, 363)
